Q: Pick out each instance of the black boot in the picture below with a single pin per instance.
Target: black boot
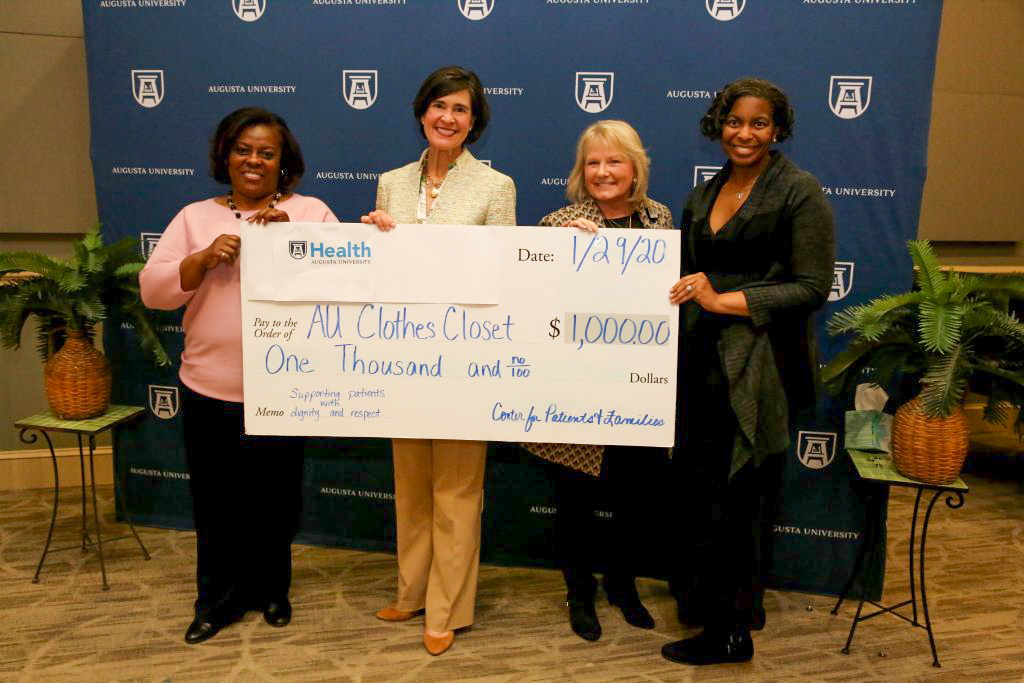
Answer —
(622, 593)
(580, 601)
(715, 647)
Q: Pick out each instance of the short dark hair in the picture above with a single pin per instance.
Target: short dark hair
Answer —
(232, 125)
(445, 81)
(782, 113)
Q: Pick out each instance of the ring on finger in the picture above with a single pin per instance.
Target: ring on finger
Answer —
(689, 288)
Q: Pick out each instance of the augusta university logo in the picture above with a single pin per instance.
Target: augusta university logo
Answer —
(594, 90)
(842, 280)
(475, 9)
(147, 243)
(297, 249)
(148, 87)
(816, 450)
(359, 88)
(702, 174)
(849, 96)
(725, 10)
(249, 10)
(163, 401)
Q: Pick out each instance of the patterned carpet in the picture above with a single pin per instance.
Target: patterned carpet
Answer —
(65, 628)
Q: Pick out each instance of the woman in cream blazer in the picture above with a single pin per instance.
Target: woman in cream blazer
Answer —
(439, 482)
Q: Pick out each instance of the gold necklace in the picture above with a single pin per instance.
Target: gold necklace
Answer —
(433, 187)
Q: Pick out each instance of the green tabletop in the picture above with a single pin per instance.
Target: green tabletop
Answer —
(48, 421)
(878, 467)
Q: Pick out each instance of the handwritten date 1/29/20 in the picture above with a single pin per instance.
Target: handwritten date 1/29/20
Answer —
(622, 252)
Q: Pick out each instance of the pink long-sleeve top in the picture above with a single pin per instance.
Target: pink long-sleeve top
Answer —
(211, 363)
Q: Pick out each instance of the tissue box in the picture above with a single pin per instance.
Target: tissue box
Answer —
(868, 430)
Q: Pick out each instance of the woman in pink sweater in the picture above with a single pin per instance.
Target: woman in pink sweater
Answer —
(246, 490)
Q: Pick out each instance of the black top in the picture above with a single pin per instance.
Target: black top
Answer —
(629, 221)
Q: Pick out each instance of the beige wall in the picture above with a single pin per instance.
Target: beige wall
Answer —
(46, 183)
(975, 148)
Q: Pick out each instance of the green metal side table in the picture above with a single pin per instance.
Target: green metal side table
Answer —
(878, 469)
(47, 422)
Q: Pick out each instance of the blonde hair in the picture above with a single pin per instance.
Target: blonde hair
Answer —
(617, 135)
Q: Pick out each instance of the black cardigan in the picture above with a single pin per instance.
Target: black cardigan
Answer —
(786, 213)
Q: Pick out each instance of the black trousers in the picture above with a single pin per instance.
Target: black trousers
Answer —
(718, 565)
(246, 502)
(585, 544)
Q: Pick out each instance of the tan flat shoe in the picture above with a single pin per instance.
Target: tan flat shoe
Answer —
(392, 614)
(436, 645)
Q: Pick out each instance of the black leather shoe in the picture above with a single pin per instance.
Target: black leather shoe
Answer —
(704, 648)
(278, 613)
(204, 627)
(583, 619)
(623, 595)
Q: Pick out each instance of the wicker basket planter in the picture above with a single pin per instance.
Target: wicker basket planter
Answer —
(77, 379)
(929, 449)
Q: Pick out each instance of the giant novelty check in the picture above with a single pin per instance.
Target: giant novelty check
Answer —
(460, 332)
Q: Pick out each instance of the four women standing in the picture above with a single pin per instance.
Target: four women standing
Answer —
(757, 260)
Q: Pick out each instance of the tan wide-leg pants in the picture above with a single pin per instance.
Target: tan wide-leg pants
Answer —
(439, 487)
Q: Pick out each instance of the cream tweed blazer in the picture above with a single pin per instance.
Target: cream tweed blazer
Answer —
(475, 194)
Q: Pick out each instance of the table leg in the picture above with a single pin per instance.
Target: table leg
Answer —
(86, 541)
(30, 439)
(913, 538)
(954, 500)
(96, 511)
(853, 627)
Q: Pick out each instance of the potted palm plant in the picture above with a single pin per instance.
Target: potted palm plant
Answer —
(69, 298)
(951, 334)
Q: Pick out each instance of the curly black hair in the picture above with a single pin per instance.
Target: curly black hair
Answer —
(782, 113)
(232, 125)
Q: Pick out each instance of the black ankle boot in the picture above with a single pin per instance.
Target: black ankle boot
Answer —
(622, 593)
(580, 601)
(711, 648)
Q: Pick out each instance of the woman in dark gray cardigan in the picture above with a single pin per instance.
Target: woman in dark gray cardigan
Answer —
(758, 258)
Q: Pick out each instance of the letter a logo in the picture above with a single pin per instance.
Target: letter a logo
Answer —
(849, 96)
(816, 450)
(148, 87)
(594, 90)
(475, 10)
(359, 88)
(249, 10)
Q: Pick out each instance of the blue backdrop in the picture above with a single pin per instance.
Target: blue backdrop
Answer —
(343, 73)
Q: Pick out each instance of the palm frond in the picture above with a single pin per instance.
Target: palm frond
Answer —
(939, 325)
(929, 277)
(14, 261)
(129, 269)
(149, 339)
(945, 383)
(876, 317)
